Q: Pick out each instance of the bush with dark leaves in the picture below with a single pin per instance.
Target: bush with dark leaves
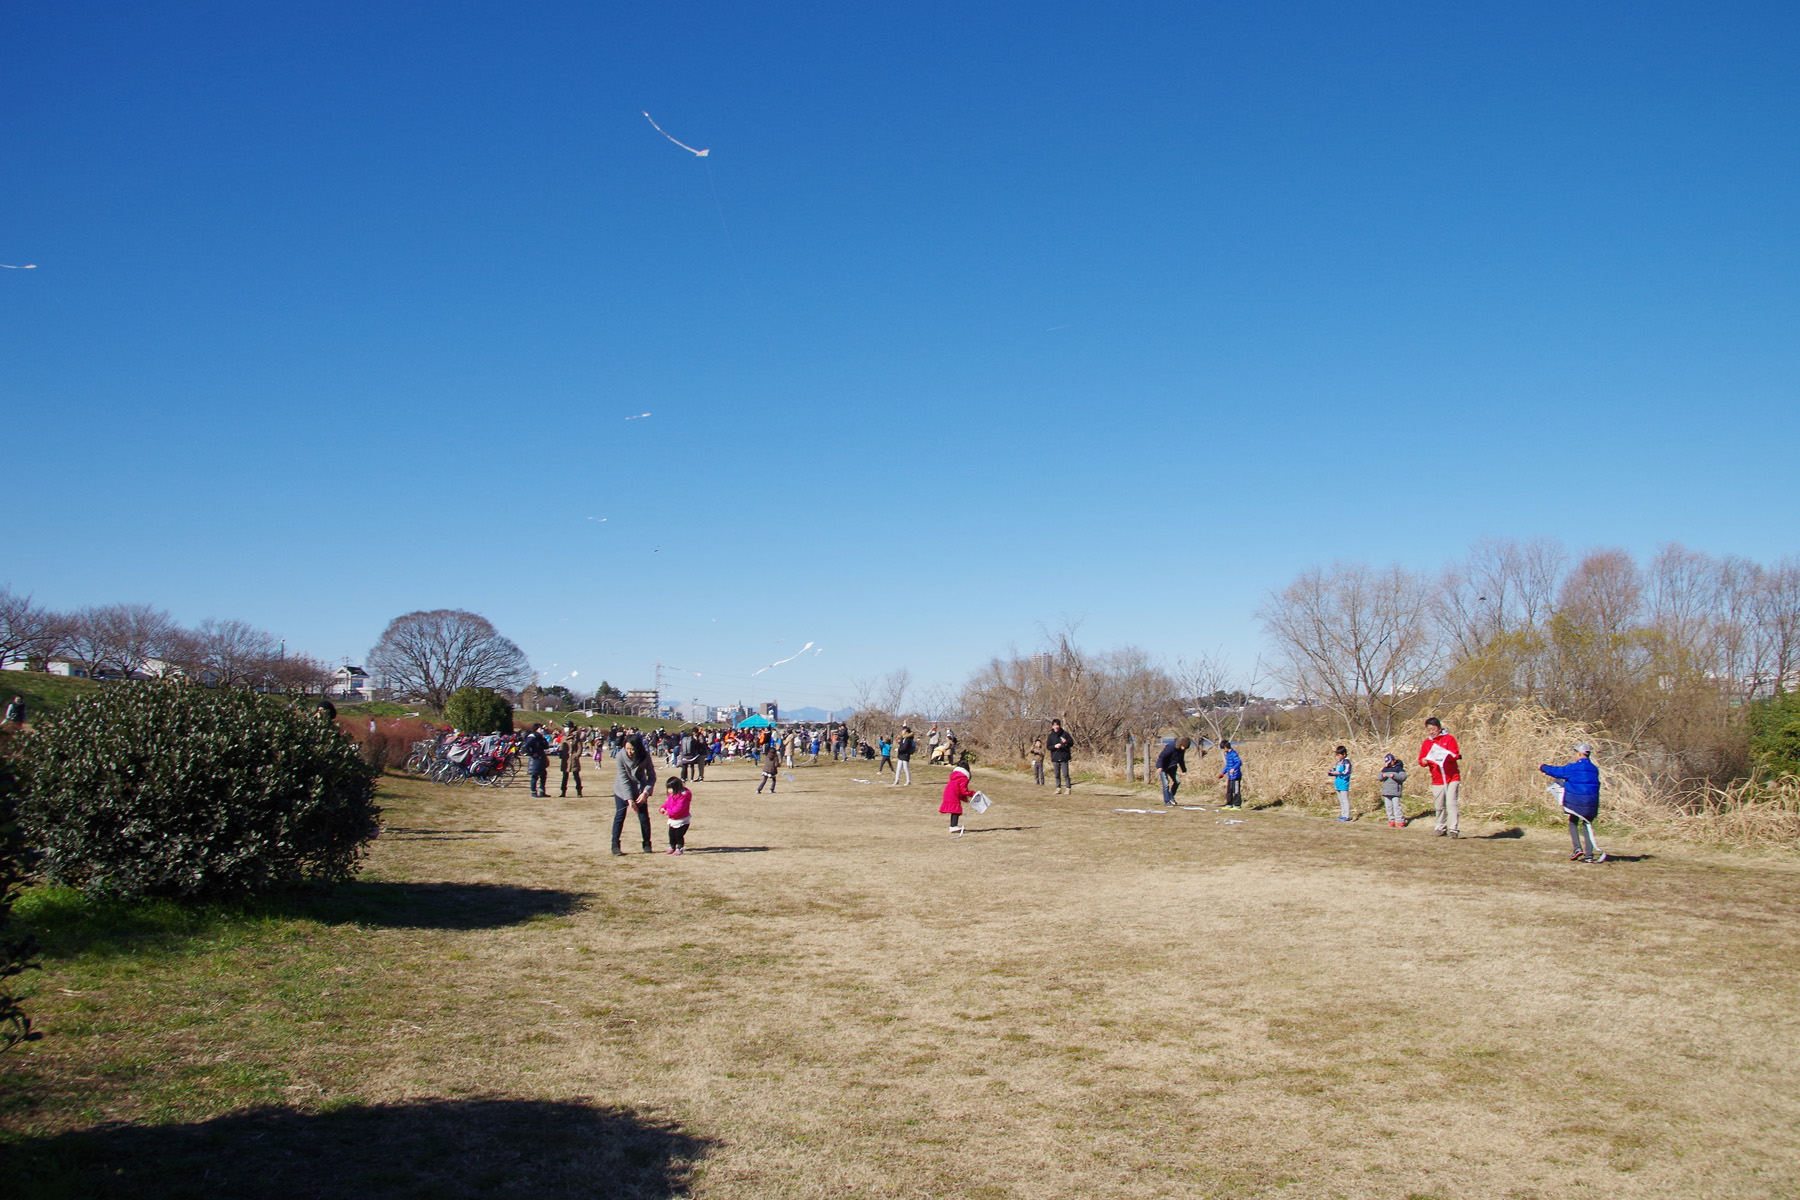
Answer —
(169, 789)
(478, 710)
(17, 952)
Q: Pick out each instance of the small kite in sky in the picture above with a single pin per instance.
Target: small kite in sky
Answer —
(19, 266)
(683, 145)
(602, 520)
(639, 417)
(790, 658)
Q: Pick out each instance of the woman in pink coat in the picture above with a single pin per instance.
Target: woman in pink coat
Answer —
(955, 792)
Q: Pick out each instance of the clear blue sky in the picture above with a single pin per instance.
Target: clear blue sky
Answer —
(1004, 314)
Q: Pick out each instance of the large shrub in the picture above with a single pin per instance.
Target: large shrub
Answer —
(17, 952)
(1775, 733)
(174, 790)
(478, 710)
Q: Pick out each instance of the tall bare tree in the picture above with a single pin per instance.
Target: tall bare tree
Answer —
(1357, 638)
(28, 632)
(232, 654)
(431, 654)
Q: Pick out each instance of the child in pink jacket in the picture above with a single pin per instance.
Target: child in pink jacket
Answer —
(675, 807)
(955, 792)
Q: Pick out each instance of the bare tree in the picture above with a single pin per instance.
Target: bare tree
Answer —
(1357, 638)
(431, 654)
(1220, 700)
(28, 632)
(232, 654)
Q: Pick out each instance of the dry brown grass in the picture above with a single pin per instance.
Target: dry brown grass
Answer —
(831, 998)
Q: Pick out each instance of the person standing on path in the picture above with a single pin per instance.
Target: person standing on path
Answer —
(632, 788)
(903, 756)
(537, 754)
(1440, 752)
(955, 792)
(1340, 780)
(1171, 764)
(572, 746)
(1037, 760)
(1062, 752)
(1581, 800)
(1393, 782)
(1232, 772)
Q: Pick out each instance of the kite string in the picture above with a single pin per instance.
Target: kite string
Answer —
(729, 243)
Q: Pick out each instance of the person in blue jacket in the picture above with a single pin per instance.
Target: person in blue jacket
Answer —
(1581, 800)
(1233, 775)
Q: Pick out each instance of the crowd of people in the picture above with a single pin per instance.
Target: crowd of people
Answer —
(687, 752)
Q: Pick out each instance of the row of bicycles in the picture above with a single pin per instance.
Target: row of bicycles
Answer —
(482, 761)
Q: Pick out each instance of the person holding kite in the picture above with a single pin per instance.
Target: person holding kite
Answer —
(1581, 800)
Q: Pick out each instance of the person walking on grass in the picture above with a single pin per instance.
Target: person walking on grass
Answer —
(1037, 761)
(955, 792)
(675, 807)
(1171, 765)
(1232, 772)
(1443, 756)
(537, 754)
(633, 788)
(1581, 800)
(1393, 782)
(1340, 780)
(1062, 752)
(15, 713)
(903, 752)
(771, 768)
(571, 748)
(887, 755)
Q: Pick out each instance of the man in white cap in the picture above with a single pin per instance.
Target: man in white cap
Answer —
(1581, 800)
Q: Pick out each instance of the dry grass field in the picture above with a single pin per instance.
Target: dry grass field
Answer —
(829, 997)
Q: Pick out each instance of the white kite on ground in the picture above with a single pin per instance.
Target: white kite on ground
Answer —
(790, 658)
(666, 133)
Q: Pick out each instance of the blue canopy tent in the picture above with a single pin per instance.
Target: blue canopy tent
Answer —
(755, 721)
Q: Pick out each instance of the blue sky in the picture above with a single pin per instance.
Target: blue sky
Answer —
(976, 319)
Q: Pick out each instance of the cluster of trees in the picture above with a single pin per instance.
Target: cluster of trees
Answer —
(1100, 698)
(138, 640)
(1665, 654)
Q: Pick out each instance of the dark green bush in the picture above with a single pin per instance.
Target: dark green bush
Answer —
(478, 710)
(17, 952)
(1775, 733)
(166, 789)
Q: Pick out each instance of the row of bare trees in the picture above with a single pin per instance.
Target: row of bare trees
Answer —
(1664, 653)
(1101, 698)
(138, 640)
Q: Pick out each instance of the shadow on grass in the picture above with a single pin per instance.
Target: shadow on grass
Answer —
(436, 1148)
(727, 850)
(1003, 828)
(1514, 832)
(68, 923)
(402, 833)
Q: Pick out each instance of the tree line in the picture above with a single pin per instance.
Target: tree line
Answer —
(133, 641)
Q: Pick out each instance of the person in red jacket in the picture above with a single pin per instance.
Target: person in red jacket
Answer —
(955, 792)
(1443, 756)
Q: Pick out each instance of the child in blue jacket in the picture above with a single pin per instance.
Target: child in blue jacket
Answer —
(1581, 800)
(1340, 779)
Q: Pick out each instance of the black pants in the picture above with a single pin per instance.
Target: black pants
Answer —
(571, 768)
(1234, 793)
(643, 816)
(677, 836)
(540, 777)
(768, 779)
(1064, 777)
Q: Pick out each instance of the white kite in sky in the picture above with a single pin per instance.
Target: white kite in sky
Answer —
(683, 145)
(640, 416)
(19, 266)
(602, 520)
(790, 658)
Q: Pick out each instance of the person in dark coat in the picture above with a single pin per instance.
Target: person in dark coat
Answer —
(1171, 764)
(1062, 751)
(537, 755)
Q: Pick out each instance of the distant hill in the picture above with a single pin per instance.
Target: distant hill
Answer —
(809, 713)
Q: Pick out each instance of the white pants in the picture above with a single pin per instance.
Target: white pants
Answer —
(902, 767)
(1344, 804)
(1395, 811)
(1445, 795)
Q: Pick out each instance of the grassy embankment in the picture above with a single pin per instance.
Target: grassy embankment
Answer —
(522, 719)
(830, 997)
(44, 693)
